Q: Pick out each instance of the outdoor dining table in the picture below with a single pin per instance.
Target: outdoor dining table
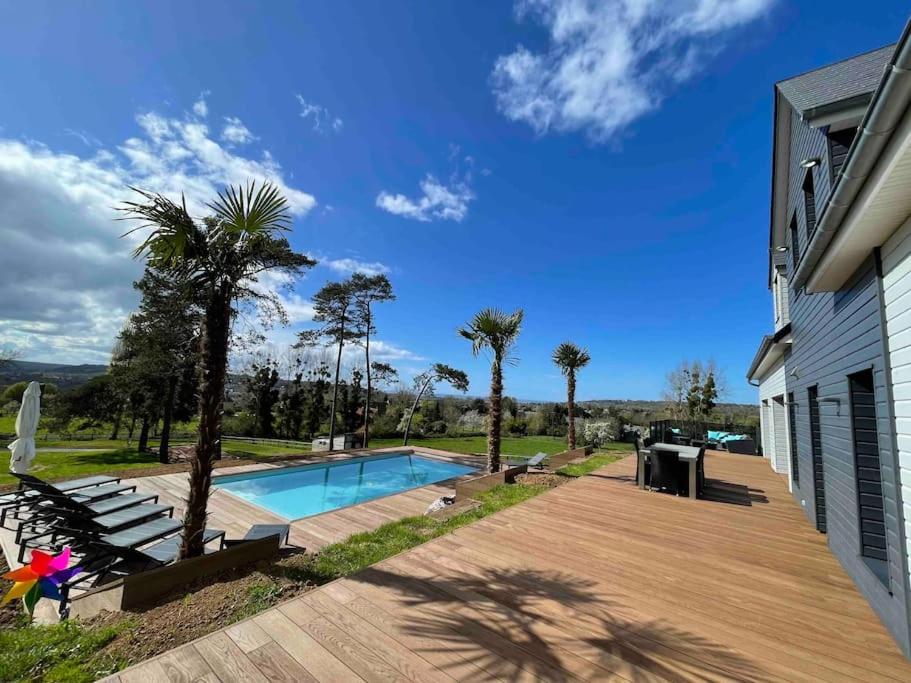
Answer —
(685, 454)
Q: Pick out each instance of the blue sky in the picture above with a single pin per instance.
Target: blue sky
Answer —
(621, 201)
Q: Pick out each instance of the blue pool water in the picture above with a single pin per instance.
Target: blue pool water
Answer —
(298, 492)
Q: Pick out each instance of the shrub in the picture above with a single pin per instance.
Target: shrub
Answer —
(241, 424)
(601, 432)
(436, 427)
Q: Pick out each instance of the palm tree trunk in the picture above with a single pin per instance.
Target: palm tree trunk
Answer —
(571, 408)
(496, 417)
(214, 365)
(414, 406)
(338, 368)
(369, 385)
(165, 443)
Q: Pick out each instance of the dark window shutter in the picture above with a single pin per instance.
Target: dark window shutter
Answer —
(792, 432)
(867, 471)
(809, 201)
(795, 245)
(819, 485)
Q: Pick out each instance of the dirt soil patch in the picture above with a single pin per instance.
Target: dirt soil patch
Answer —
(204, 606)
(547, 479)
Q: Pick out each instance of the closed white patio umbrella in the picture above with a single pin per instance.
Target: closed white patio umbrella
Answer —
(23, 448)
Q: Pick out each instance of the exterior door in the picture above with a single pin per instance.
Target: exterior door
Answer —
(819, 481)
(779, 436)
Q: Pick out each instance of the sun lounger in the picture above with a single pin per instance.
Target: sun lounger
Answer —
(120, 554)
(258, 531)
(24, 497)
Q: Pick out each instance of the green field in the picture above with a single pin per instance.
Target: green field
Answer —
(73, 464)
(509, 445)
(116, 456)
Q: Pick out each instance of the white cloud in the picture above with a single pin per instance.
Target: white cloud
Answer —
(388, 352)
(346, 266)
(235, 132)
(610, 62)
(382, 351)
(65, 273)
(322, 120)
(200, 106)
(436, 201)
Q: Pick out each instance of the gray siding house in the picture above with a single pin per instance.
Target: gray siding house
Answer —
(837, 378)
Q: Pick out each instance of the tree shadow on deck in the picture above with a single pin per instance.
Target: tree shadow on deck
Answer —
(552, 625)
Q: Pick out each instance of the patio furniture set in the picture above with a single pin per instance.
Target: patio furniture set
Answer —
(671, 468)
(111, 529)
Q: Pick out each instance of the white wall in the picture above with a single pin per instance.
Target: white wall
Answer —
(896, 256)
(771, 385)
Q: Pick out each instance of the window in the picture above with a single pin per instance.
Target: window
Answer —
(809, 201)
(792, 430)
(795, 245)
(839, 144)
(872, 521)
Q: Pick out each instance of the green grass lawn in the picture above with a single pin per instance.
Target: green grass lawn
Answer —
(509, 445)
(73, 464)
(244, 449)
(116, 457)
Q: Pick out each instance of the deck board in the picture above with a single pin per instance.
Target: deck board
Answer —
(594, 580)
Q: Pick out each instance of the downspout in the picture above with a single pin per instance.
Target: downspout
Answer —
(883, 115)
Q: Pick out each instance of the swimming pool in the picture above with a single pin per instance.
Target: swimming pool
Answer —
(297, 492)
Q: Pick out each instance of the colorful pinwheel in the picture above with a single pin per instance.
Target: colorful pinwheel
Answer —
(41, 578)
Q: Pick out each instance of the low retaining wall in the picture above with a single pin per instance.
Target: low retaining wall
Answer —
(557, 461)
(472, 487)
(144, 587)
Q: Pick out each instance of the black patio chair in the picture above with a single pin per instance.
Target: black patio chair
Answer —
(664, 471)
(683, 474)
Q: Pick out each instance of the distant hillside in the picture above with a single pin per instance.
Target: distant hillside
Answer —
(64, 376)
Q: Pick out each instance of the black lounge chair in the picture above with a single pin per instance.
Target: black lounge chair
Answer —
(76, 522)
(537, 460)
(24, 497)
(120, 554)
(81, 493)
(259, 531)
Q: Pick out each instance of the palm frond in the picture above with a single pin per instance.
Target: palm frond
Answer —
(570, 357)
(174, 239)
(252, 210)
(494, 329)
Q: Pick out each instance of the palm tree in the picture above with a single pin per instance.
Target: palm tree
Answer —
(220, 257)
(570, 358)
(497, 331)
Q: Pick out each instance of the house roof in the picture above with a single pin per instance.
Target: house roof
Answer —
(844, 80)
(766, 345)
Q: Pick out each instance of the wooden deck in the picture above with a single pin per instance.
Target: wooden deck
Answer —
(234, 515)
(593, 580)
